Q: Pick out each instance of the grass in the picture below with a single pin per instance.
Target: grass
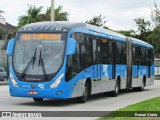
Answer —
(148, 106)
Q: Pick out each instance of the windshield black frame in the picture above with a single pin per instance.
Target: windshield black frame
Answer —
(38, 78)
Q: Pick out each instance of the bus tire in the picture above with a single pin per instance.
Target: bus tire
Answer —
(116, 90)
(85, 95)
(38, 99)
(142, 86)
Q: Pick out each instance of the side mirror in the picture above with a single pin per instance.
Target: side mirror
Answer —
(71, 46)
(10, 47)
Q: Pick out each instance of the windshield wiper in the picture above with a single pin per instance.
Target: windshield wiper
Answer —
(41, 62)
(32, 60)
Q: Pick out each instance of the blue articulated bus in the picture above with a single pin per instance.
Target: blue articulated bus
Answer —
(63, 60)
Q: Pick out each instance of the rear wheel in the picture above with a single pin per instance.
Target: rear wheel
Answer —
(84, 97)
(142, 86)
(116, 90)
(38, 99)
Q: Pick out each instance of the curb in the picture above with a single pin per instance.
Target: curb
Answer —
(3, 83)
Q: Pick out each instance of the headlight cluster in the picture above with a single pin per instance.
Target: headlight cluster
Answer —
(13, 80)
(57, 81)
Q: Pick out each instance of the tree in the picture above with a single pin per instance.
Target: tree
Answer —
(129, 33)
(144, 28)
(97, 21)
(33, 13)
(155, 15)
(154, 39)
(59, 14)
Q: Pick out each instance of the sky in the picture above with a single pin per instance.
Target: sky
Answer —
(118, 13)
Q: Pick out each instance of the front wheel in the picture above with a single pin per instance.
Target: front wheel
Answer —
(84, 97)
(38, 99)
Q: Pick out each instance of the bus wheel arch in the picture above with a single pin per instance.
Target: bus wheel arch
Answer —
(119, 81)
(141, 88)
(86, 91)
(115, 92)
(144, 79)
(38, 99)
(143, 83)
(88, 80)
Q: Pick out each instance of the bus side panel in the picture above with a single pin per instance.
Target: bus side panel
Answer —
(97, 85)
(150, 80)
(106, 83)
(79, 80)
(138, 73)
(121, 71)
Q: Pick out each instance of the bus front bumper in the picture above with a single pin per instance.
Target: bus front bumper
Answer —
(54, 93)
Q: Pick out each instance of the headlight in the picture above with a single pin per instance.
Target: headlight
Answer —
(13, 81)
(57, 81)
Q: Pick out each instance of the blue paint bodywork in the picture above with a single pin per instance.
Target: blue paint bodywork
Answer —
(67, 88)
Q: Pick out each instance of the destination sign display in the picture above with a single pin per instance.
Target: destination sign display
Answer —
(41, 36)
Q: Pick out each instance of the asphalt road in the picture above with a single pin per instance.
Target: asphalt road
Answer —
(99, 102)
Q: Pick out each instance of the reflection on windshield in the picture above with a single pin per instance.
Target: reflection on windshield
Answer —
(52, 54)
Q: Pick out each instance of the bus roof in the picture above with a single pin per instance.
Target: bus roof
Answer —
(65, 26)
(62, 26)
(140, 42)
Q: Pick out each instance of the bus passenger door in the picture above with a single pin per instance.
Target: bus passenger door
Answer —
(97, 66)
(96, 60)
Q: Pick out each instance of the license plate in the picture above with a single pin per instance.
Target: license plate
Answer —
(32, 92)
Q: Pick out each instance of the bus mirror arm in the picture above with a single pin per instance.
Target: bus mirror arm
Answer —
(10, 47)
(71, 46)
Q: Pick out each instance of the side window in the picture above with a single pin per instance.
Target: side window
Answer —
(86, 51)
(139, 55)
(111, 58)
(121, 52)
(76, 57)
(82, 58)
(151, 56)
(104, 51)
(147, 59)
(142, 55)
(135, 54)
(73, 61)
(139, 51)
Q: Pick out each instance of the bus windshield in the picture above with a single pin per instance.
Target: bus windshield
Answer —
(38, 55)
